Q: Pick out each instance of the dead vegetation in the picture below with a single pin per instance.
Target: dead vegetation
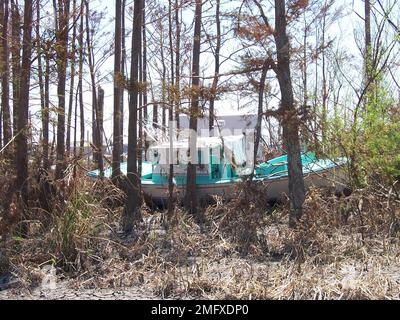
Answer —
(344, 248)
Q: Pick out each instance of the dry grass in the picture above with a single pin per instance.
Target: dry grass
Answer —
(344, 248)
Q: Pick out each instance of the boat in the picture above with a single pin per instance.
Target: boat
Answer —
(222, 163)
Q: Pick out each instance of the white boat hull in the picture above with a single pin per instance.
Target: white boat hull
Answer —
(276, 188)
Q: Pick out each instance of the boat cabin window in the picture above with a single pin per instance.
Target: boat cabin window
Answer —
(200, 159)
(215, 165)
(221, 123)
(215, 172)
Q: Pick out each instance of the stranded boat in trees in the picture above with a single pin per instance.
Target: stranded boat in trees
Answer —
(222, 163)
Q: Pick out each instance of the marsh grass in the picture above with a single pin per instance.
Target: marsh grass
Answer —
(343, 248)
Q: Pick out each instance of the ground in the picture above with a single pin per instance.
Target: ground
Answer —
(343, 248)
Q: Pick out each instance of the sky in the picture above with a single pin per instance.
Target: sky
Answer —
(342, 30)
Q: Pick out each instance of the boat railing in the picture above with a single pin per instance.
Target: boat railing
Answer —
(278, 164)
(277, 173)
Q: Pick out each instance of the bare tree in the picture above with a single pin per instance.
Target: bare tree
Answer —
(177, 62)
(61, 8)
(123, 73)
(164, 77)
(15, 49)
(144, 80)
(132, 206)
(5, 72)
(99, 123)
(191, 197)
(80, 81)
(118, 79)
(43, 83)
(96, 121)
(72, 78)
(287, 111)
(289, 120)
(216, 65)
(1, 127)
(21, 155)
(368, 48)
(260, 112)
(171, 94)
(46, 105)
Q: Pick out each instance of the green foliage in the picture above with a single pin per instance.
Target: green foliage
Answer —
(381, 127)
(370, 138)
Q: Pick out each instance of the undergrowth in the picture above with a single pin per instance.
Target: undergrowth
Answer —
(343, 247)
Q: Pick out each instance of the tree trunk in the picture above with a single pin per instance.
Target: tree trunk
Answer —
(155, 115)
(306, 130)
(216, 66)
(368, 48)
(45, 111)
(1, 127)
(144, 79)
(324, 114)
(316, 86)
(75, 124)
(62, 18)
(99, 123)
(1, 71)
(42, 84)
(23, 107)
(163, 83)
(171, 99)
(80, 83)
(116, 165)
(5, 73)
(15, 59)
(177, 64)
(132, 207)
(261, 89)
(290, 121)
(96, 121)
(140, 109)
(123, 73)
(72, 83)
(191, 197)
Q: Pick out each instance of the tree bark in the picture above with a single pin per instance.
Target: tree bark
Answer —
(99, 123)
(123, 73)
(1, 127)
(155, 115)
(290, 121)
(324, 114)
(191, 187)
(171, 94)
(80, 83)
(163, 82)
(305, 131)
(96, 121)
(62, 18)
(72, 80)
(260, 112)
(144, 80)
(75, 125)
(5, 74)
(45, 111)
(132, 206)
(368, 48)
(15, 59)
(216, 66)
(177, 64)
(23, 107)
(42, 85)
(140, 108)
(116, 164)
